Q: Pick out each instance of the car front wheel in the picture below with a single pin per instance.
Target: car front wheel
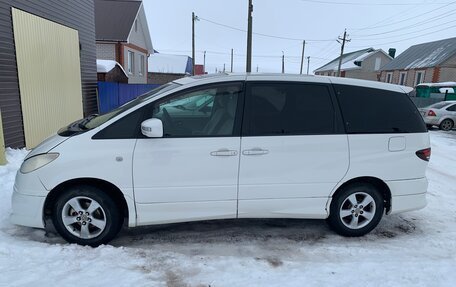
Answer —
(85, 215)
(356, 210)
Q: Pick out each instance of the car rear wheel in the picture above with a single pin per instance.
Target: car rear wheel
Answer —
(356, 210)
(85, 215)
(446, 125)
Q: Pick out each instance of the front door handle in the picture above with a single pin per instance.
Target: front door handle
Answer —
(255, 151)
(224, 152)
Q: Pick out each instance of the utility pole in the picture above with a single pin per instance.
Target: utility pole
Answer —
(231, 61)
(302, 55)
(308, 64)
(248, 68)
(204, 62)
(223, 67)
(283, 62)
(194, 19)
(344, 39)
(257, 68)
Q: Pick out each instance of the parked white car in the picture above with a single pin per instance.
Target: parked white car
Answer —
(441, 114)
(231, 146)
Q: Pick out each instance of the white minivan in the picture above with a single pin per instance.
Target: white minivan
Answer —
(231, 146)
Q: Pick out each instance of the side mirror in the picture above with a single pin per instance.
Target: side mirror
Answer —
(152, 128)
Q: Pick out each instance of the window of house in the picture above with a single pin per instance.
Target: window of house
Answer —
(131, 62)
(389, 77)
(402, 78)
(419, 77)
(141, 65)
(289, 109)
(378, 63)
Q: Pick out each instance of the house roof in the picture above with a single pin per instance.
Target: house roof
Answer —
(114, 19)
(423, 55)
(106, 66)
(348, 60)
(169, 64)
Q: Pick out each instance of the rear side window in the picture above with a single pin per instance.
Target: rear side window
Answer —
(452, 108)
(289, 109)
(367, 110)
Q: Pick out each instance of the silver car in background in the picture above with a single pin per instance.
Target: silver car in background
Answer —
(441, 114)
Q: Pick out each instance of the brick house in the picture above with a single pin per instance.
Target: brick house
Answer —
(431, 62)
(122, 35)
(363, 64)
(164, 68)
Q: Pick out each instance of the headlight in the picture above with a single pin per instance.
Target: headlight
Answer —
(37, 162)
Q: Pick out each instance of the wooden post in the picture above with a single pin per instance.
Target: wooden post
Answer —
(2, 143)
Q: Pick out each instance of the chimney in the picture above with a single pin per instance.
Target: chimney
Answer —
(392, 52)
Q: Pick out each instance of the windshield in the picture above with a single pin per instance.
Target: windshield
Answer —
(94, 121)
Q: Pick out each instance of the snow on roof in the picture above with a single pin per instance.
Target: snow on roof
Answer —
(169, 64)
(442, 84)
(348, 60)
(424, 55)
(105, 66)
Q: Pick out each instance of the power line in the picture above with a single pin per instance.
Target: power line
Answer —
(414, 37)
(405, 34)
(410, 18)
(262, 34)
(430, 20)
(370, 4)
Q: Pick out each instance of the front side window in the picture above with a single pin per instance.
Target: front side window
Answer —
(202, 113)
(289, 109)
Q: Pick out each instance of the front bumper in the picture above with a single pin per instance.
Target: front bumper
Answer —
(27, 209)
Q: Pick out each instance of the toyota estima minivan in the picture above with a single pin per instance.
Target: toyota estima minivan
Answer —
(231, 146)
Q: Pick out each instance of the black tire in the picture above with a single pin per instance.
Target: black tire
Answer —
(341, 201)
(108, 212)
(446, 125)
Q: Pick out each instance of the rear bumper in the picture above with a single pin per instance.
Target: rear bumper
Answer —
(432, 120)
(407, 195)
(408, 202)
(27, 209)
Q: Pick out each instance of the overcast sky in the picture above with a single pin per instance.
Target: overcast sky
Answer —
(374, 23)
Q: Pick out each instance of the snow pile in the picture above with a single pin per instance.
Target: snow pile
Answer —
(106, 66)
(411, 249)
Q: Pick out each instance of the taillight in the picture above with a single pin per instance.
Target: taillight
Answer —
(424, 154)
(431, 113)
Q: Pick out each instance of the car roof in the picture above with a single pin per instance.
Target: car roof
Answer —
(228, 77)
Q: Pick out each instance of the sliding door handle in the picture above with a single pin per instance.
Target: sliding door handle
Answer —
(224, 152)
(255, 151)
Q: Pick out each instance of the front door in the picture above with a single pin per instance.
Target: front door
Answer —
(191, 173)
(293, 151)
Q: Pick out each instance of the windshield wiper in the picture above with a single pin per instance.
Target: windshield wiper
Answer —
(86, 120)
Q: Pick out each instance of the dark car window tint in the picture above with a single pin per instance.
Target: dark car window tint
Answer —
(367, 110)
(452, 108)
(289, 109)
(127, 127)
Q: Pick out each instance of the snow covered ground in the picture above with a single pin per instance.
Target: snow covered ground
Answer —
(411, 249)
